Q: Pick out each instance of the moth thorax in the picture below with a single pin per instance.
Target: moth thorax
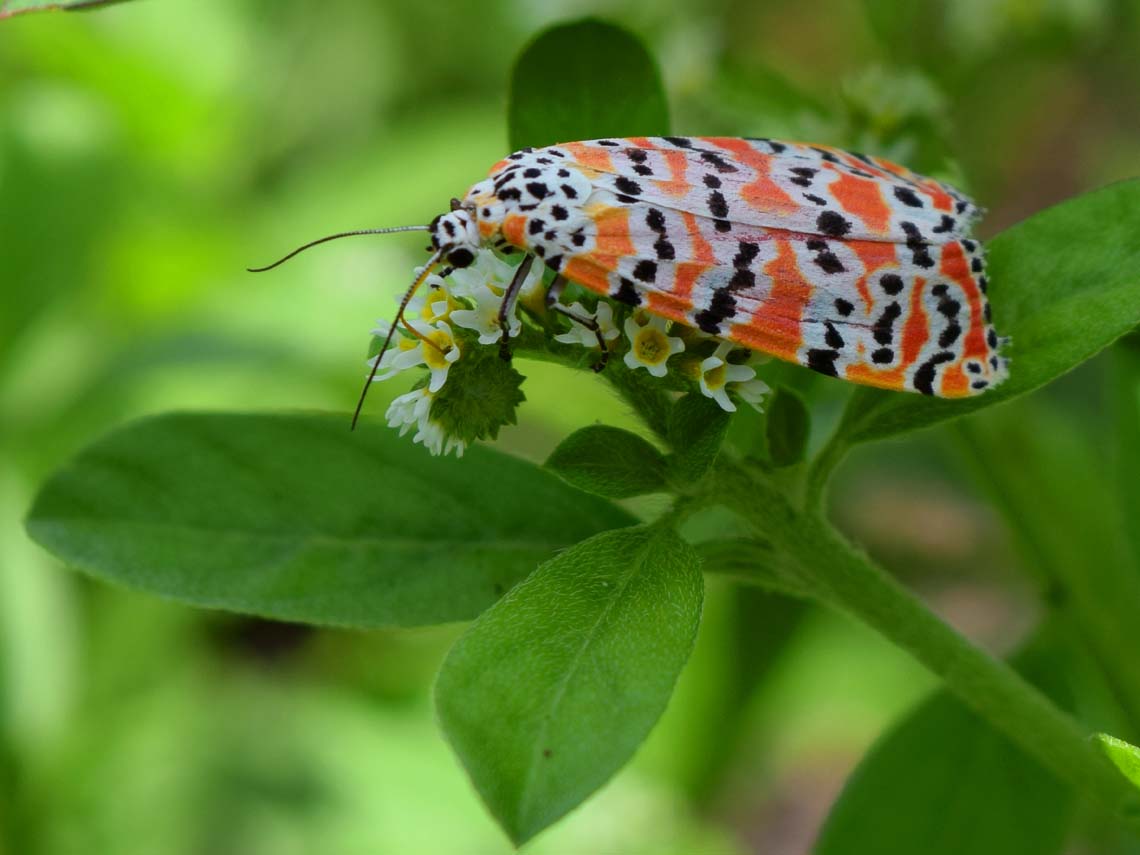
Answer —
(456, 236)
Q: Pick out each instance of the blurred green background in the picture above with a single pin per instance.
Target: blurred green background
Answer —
(151, 151)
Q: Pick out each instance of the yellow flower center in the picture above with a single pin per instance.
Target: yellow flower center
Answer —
(436, 357)
(715, 378)
(651, 347)
(439, 306)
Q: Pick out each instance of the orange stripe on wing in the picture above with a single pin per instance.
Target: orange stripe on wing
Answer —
(678, 164)
(874, 255)
(514, 230)
(916, 332)
(701, 249)
(590, 157)
(956, 267)
(775, 327)
(763, 194)
(862, 197)
(613, 239)
(586, 273)
(670, 306)
(940, 199)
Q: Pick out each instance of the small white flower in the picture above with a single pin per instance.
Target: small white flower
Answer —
(650, 345)
(752, 392)
(435, 347)
(403, 352)
(484, 318)
(436, 441)
(409, 410)
(717, 372)
(414, 410)
(491, 272)
(433, 303)
(440, 351)
(579, 334)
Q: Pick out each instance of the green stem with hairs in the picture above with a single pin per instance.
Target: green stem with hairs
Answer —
(849, 581)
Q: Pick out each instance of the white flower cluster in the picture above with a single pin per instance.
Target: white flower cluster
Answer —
(471, 298)
(432, 341)
(650, 347)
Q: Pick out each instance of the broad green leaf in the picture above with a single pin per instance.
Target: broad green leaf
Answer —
(1064, 284)
(552, 689)
(610, 462)
(787, 426)
(8, 8)
(697, 426)
(585, 80)
(1124, 756)
(943, 782)
(297, 518)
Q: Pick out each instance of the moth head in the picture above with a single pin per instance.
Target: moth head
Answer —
(455, 235)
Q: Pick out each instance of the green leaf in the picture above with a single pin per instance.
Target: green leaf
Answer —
(610, 462)
(788, 426)
(482, 397)
(9, 8)
(943, 782)
(296, 518)
(551, 691)
(756, 562)
(1123, 755)
(697, 426)
(1064, 284)
(585, 80)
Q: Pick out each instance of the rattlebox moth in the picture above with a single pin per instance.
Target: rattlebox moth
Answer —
(850, 265)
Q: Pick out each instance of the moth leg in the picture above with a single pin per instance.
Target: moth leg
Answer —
(510, 297)
(552, 295)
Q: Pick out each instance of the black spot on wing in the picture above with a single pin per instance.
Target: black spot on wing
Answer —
(924, 376)
(722, 307)
(823, 361)
(891, 283)
(627, 185)
(717, 162)
(883, 328)
(908, 197)
(832, 224)
(627, 293)
(718, 205)
(645, 270)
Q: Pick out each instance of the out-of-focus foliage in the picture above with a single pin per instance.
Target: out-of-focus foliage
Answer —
(150, 151)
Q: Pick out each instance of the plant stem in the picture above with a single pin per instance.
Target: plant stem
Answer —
(819, 472)
(991, 688)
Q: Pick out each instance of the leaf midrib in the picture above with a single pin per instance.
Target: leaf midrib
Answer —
(396, 542)
(638, 566)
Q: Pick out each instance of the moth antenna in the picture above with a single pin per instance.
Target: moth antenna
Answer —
(337, 236)
(407, 298)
